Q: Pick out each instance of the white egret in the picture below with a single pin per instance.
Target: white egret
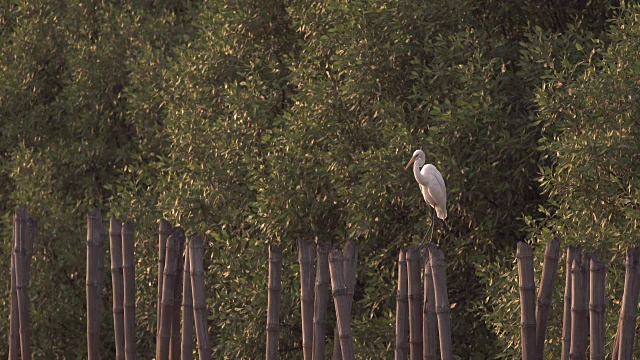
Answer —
(431, 184)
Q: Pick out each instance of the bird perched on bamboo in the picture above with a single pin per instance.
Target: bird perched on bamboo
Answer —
(431, 185)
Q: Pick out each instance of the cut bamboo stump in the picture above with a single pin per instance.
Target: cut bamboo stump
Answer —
(350, 255)
(572, 254)
(629, 310)
(340, 292)
(597, 308)
(429, 318)
(443, 309)
(198, 290)
(321, 300)
(163, 234)
(402, 309)
(273, 302)
(187, 311)
(115, 242)
(578, 310)
(527, 301)
(305, 258)
(168, 293)
(414, 290)
(549, 271)
(92, 293)
(174, 343)
(129, 279)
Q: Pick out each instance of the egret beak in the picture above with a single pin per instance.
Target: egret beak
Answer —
(410, 162)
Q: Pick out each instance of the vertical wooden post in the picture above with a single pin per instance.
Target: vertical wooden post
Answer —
(187, 310)
(341, 301)
(273, 302)
(115, 245)
(168, 292)
(572, 254)
(415, 301)
(527, 300)
(93, 310)
(305, 258)
(578, 310)
(402, 309)
(597, 307)
(128, 275)
(323, 280)
(629, 310)
(174, 343)
(197, 286)
(443, 309)
(429, 318)
(549, 271)
(163, 234)
(23, 241)
(350, 255)
(14, 322)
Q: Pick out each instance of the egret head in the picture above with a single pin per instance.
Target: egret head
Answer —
(418, 158)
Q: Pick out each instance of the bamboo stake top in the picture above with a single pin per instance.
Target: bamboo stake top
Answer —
(127, 228)
(524, 250)
(115, 226)
(275, 252)
(165, 227)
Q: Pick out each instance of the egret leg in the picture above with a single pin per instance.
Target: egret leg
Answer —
(430, 230)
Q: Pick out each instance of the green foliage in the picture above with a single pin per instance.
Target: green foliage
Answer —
(253, 122)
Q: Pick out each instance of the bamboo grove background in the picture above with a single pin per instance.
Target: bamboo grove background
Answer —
(266, 122)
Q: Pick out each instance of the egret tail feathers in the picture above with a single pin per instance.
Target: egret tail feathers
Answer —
(442, 213)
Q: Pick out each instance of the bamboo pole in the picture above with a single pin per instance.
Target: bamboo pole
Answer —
(93, 314)
(350, 255)
(597, 308)
(198, 290)
(174, 343)
(163, 234)
(128, 276)
(443, 309)
(273, 302)
(429, 317)
(305, 258)
(549, 271)
(402, 306)
(321, 300)
(115, 242)
(14, 322)
(629, 310)
(340, 292)
(414, 291)
(168, 292)
(578, 308)
(527, 302)
(187, 310)
(572, 254)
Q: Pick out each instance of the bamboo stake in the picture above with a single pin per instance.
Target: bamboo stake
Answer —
(174, 344)
(168, 290)
(128, 270)
(323, 280)
(629, 310)
(572, 254)
(578, 308)
(402, 312)
(14, 322)
(93, 314)
(305, 258)
(350, 255)
(163, 234)
(415, 299)
(527, 302)
(273, 302)
(115, 241)
(549, 270)
(597, 308)
(198, 290)
(443, 309)
(429, 318)
(187, 309)
(340, 292)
